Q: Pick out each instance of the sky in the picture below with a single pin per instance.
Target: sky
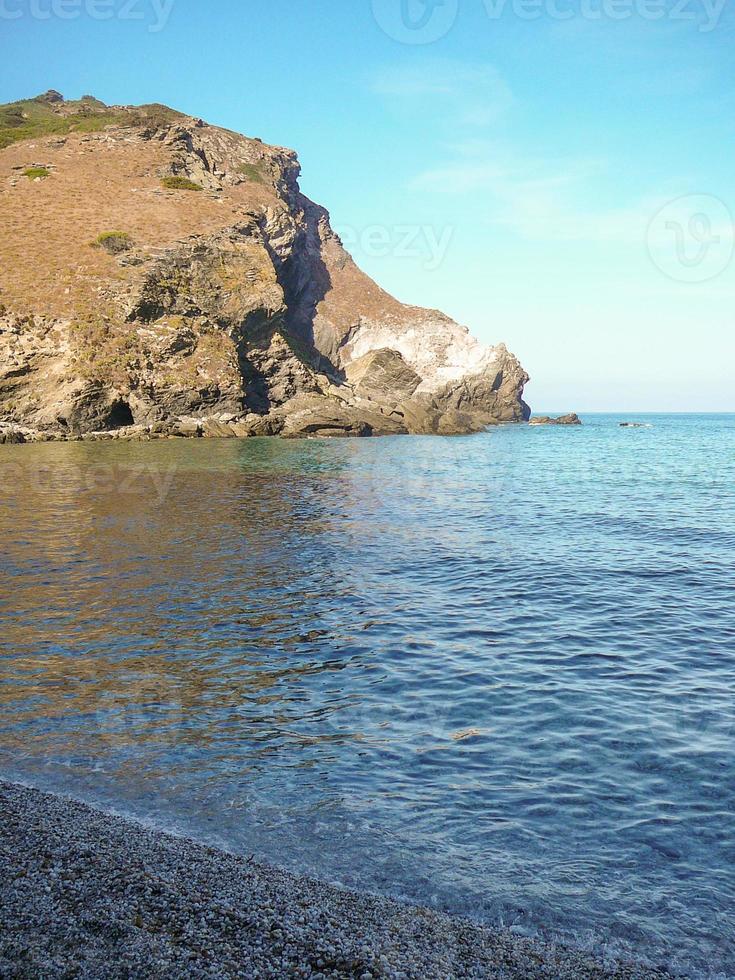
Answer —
(554, 174)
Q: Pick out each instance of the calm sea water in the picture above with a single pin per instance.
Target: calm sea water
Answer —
(495, 674)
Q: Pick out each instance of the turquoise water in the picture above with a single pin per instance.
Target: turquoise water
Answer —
(495, 674)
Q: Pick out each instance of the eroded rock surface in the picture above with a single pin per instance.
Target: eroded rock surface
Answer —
(232, 309)
(571, 419)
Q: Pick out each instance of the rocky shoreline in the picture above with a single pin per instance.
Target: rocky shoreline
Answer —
(311, 421)
(315, 422)
(92, 895)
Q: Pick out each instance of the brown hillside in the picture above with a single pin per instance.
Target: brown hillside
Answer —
(154, 268)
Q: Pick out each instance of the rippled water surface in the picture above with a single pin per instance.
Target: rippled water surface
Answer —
(495, 674)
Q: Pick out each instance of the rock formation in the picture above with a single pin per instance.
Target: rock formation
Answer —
(571, 419)
(162, 276)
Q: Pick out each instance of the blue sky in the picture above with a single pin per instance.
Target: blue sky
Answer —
(556, 174)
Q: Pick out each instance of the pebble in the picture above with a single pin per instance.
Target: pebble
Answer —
(95, 896)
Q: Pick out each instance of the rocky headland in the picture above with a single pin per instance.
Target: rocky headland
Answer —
(160, 277)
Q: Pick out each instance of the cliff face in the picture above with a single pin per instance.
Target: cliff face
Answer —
(158, 271)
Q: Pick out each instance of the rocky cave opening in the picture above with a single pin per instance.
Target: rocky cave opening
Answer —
(120, 415)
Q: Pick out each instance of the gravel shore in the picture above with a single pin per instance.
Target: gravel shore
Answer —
(89, 895)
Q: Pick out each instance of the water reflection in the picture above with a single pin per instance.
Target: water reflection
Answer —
(492, 673)
(163, 608)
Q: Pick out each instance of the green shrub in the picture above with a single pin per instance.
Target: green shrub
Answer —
(34, 118)
(33, 172)
(252, 172)
(113, 241)
(180, 184)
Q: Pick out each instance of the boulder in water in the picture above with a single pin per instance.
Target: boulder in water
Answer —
(571, 419)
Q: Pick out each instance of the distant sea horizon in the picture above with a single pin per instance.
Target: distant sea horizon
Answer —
(616, 412)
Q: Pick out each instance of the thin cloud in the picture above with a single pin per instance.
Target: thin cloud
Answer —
(540, 200)
(472, 95)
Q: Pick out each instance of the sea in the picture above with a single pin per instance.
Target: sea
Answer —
(493, 674)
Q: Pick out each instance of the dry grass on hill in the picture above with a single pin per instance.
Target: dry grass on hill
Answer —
(97, 184)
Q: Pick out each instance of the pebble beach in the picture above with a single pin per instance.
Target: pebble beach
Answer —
(93, 895)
